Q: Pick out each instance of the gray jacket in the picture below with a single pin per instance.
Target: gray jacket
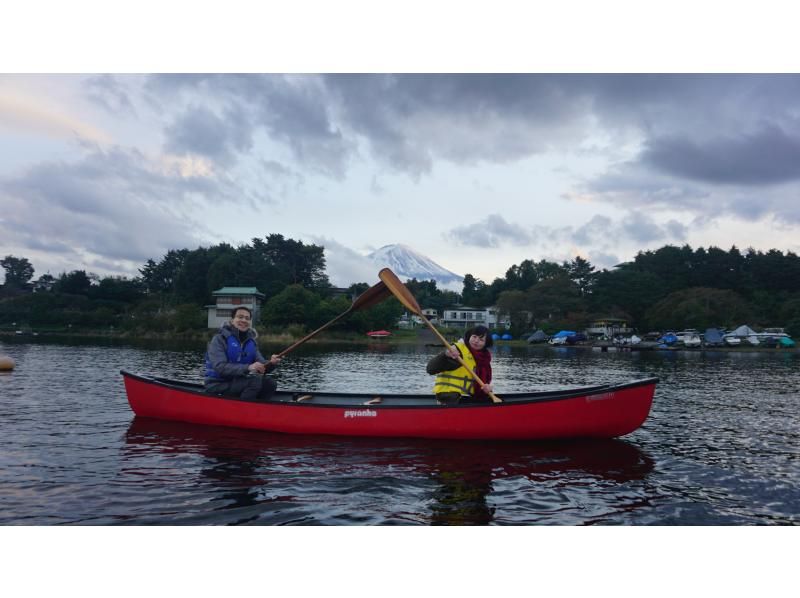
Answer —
(217, 354)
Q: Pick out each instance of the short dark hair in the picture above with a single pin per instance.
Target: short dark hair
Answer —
(479, 330)
(240, 308)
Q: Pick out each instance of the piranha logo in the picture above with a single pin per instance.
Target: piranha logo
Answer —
(360, 413)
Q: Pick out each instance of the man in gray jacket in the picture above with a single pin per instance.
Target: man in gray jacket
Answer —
(234, 365)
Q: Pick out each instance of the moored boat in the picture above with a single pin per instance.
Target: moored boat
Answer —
(603, 411)
(378, 333)
(692, 340)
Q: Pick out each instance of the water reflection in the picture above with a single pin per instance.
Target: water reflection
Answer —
(251, 474)
(723, 434)
(467, 473)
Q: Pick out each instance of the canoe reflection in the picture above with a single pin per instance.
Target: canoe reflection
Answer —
(240, 464)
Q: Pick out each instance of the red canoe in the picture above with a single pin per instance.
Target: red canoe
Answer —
(378, 333)
(605, 411)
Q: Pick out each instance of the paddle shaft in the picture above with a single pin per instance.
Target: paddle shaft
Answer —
(313, 334)
(372, 296)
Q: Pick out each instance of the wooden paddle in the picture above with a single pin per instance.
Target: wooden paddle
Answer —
(405, 297)
(372, 296)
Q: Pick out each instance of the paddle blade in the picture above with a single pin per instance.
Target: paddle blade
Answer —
(372, 296)
(399, 290)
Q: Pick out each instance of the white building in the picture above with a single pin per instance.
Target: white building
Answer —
(464, 317)
(609, 327)
(228, 298)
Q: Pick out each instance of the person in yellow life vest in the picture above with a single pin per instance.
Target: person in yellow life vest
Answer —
(454, 384)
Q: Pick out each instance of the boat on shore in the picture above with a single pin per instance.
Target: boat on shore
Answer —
(602, 411)
(379, 333)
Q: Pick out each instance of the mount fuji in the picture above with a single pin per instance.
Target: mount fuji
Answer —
(407, 263)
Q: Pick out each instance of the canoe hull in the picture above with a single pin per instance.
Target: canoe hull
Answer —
(600, 412)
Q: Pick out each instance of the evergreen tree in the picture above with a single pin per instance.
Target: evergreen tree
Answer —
(19, 271)
(76, 282)
(581, 272)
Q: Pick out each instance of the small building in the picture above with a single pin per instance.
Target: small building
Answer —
(609, 327)
(227, 299)
(431, 314)
(409, 320)
(44, 284)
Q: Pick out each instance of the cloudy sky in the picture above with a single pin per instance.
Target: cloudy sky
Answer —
(478, 172)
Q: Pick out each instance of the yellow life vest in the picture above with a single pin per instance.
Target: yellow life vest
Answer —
(459, 379)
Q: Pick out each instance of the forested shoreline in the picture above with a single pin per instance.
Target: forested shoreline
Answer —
(667, 288)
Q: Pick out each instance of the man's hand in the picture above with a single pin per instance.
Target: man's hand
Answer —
(256, 367)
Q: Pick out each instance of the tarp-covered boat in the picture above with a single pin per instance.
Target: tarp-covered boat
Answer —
(603, 411)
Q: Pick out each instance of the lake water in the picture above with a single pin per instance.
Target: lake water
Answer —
(721, 445)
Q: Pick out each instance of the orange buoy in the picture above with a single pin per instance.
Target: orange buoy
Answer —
(6, 363)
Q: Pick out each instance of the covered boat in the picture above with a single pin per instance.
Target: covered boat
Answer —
(603, 411)
(538, 337)
(713, 337)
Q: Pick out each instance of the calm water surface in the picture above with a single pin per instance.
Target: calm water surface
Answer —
(720, 446)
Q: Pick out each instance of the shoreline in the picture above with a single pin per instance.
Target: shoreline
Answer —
(400, 338)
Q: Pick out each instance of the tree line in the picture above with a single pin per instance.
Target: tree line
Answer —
(170, 295)
(667, 288)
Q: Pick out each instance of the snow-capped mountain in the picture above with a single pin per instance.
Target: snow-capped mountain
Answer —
(407, 263)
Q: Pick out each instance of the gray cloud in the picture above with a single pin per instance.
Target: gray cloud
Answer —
(642, 229)
(292, 110)
(492, 231)
(603, 232)
(600, 233)
(200, 131)
(343, 265)
(710, 145)
(596, 228)
(412, 120)
(275, 179)
(408, 122)
(112, 206)
(676, 230)
(634, 186)
(107, 92)
(766, 157)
